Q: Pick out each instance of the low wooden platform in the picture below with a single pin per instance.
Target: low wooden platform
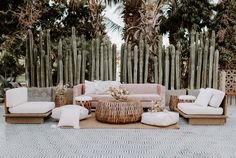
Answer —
(206, 119)
(25, 118)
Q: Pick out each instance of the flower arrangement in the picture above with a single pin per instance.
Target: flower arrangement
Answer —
(61, 89)
(118, 93)
(156, 106)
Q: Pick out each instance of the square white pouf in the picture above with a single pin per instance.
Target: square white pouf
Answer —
(165, 118)
(56, 113)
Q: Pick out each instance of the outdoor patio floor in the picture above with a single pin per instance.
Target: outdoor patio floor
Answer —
(189, 141)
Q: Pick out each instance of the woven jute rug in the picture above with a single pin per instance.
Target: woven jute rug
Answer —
(91, 122)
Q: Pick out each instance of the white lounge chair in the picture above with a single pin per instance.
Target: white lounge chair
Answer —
(19, 110)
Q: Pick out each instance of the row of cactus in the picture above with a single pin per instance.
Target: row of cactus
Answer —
(166, 63)
(204, 60)
(76, 60)
(135, 64)
(38, 61)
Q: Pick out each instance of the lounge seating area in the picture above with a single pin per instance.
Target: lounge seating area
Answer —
(36, 105)
(207, 107)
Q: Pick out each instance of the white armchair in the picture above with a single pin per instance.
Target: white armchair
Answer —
(209, 108)
(19, 110)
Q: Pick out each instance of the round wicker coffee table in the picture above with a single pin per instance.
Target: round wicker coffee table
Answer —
(118, 111)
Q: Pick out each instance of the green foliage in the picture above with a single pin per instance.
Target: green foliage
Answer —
(184, 15)
(225, 26)
(9, 67)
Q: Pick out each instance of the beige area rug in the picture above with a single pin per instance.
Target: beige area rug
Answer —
(91, 122)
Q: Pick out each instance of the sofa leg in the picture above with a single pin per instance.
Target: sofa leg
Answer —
(24, 120)
(207, 121)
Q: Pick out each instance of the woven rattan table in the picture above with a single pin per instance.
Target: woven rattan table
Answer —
(118, 111)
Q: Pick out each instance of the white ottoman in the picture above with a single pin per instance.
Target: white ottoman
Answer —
(165, 118)
(56, 113)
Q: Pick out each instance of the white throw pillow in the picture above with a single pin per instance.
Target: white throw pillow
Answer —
(203, 97)
(102, 87)
(69, 118)
(89, 87)
(217, 97)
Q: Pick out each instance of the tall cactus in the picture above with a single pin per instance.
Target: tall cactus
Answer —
(102, 62)
(78, 64)
(27, 63)
(167, 68)
(42, 59)
(93, 63)
(70, 68)
(130, 74)
(141, 54)
(114, 61)
(74, 52)
(155, 69)
(210, 66)
(122, 49)
(97, 41)
(160, 59)
(146, 63)
(110, 57)
(60, 64)
(49, 66)
(135, 77)
(105, 62)
(205, 60)
(173, 65)
(215, 69)
(192, 61)
(199, 68)
(31, 57)
(84, 52)
(177, 70)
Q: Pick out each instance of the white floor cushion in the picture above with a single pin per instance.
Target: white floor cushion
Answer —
(33, 107)
(69, 118)
(160, 118)
(56, 113)
(191, 108)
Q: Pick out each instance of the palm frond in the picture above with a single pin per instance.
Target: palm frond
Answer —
(112, 25)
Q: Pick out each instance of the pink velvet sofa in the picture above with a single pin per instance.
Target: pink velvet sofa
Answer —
(145, 93)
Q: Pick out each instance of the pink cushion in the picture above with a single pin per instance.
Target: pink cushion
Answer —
(141, 88)
(139, 97)
(144, 97)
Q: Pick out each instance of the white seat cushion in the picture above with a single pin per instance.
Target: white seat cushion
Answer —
(160, 118)
(191, 108)
(56, 113)
(33, 107)
(69, 118)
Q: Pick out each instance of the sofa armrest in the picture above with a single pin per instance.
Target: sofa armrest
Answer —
(77, 90)
(161, 91)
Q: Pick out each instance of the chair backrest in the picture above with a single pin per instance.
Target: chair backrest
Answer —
(16, 96)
